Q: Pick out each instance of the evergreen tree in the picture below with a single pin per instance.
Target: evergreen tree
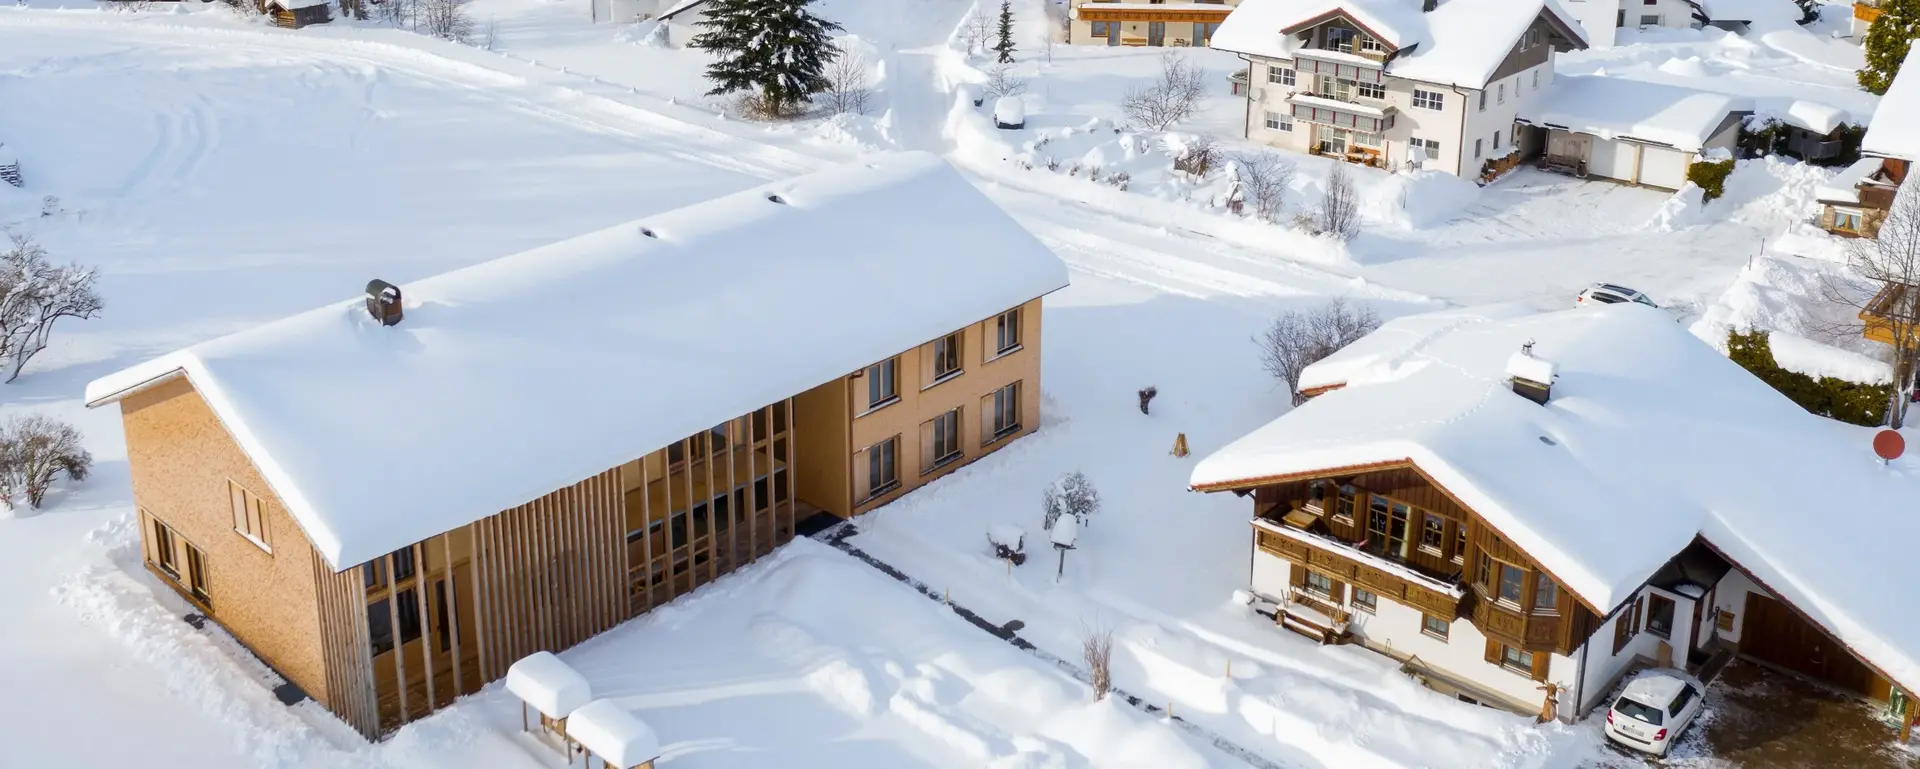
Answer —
(776, 49)
(1004, 37)
(1887, 42)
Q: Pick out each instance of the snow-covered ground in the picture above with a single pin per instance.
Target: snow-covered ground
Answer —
(223, 173)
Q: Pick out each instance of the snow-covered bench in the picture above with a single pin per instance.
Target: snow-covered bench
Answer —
(619, 738)
(1309, 617)
(553, 688)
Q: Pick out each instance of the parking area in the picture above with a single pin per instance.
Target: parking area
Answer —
(1759, 718)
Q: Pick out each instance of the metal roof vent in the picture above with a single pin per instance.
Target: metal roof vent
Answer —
(649, 233)
(1532, 377)
(383, 302)
(773, 198)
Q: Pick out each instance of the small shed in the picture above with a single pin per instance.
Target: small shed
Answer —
(1630, 131)
(294, 14)
(618, 737)
(551, 687)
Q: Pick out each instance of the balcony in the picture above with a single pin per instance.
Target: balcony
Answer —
(1333, 110)
(1382, 576)
(1889, 310)
(1866, 11)
(1505, 623)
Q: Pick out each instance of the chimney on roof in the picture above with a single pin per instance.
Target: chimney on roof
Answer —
(1532, 377)
(383, 302)
(1427, 6)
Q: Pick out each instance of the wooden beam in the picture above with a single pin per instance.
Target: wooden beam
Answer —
(396, 637)
(421, 581)
(453, 614)
(646, 530)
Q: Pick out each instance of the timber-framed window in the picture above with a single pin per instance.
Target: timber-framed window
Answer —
(943, 440)
(1343, 504)
(392, 583)
(1434, 626)
(249, 515)
(1005, 413)
(1319, 585)
(1546, 596)
(181, 561)
(945, 359)
(1516, 660)
(883, 387)
(1365, 600)
(1626, 626)
(1660, 615)
(197, 574)
(1006, 333)
(883, 467)
(1433, 533)
(164, 549)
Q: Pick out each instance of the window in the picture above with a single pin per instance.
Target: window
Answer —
(197, 574)
(944, 439)
(1546, 597)
(1460, 543)
(1660, 615)
(881, 388)
(1376, 522)
(249, 515)
(1433, 533)
(1511, 579)
(1371, 90)
(882, 470)
(1098, 29)
(1516, 660)
(1279, 122)
(1319, 584)
(946, 357)
(1429, 99)
(1280, 76)
(380, 616)
(1650, 20)
(1624, 626)
(1483, 101)
(1006, 332)
(1536, 80)
(1476, 149)
(1006, 411)
(1203, 30)
(163, 549)
(1429, 146)
(1360, 139)
(1340, 39)
(1397, 530)
(1371, 45)
(1496, 141)
(1365, 600)
(1501, 98)
(1846, 220)
(1681, 700)
(1433, 626)
(1343, 505)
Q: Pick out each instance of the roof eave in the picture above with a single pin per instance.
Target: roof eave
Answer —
(146, 384)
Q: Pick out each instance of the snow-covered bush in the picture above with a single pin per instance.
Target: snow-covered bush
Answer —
(1009, 543)
(1852, 402)
(1198, 156)
(1711, 177)
(447, 20)
(1174, 96)
(1300, 338)
(1071, 494)
(34, 451)
(34, 294)
(1096, 646)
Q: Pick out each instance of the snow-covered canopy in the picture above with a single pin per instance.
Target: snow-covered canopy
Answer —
(1813, 116)
(1615, 108)
(1844, 187)
(617, 736)
(1459, 42)
(1894, 131)
(1650, 438)
(519, 376)
(548, 684)
(1065, 531)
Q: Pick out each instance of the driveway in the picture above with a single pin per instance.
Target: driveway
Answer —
(1759, 718)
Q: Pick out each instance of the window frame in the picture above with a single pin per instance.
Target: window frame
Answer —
(1427, 521)
(1476, 148)
(1282, 76)
(197, 581)
(1500, 585)
(1514, 659)
(1644, 20)
(1362, 88)
(1276, 121)
(1434, 100)
(938, 458)
(1427, 622)
(887, 371)
(883, 460)
(1483, 101)
(1500, 94)
(164, 539)
(1654, 604)
(1544, 586)
(945, 350)
(1318, 590)
(1006, 414)
(249, 515)
(1370, 603)
(1005, 324)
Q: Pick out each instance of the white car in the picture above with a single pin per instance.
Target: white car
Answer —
(1607, 293)
(1654, 709)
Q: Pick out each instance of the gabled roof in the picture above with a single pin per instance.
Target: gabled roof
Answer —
(516, 377)
(1894, 131)
(1651, 438)
(1617, 108)
(1459, 42)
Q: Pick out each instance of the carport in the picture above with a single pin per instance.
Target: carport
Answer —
(1633, 132)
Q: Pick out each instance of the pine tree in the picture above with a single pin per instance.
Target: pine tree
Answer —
(1887, 42)
(776, 49)
(1004, 37)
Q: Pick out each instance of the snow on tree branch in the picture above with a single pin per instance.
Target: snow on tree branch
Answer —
(34, 294)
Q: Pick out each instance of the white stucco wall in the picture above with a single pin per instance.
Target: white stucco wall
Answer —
(1731, 596)
(1520, 89)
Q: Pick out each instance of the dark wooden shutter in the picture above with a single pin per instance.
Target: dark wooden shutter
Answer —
(1494, 651)
(1298, 576)
(1540, 662)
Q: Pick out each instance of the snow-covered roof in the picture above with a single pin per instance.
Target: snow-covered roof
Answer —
(618, 737)
(1814, 116)
(1163, 7)
(1844, 187)
(1894, 131)
(548, 684)
(1650, 438)
(1615, 108)
(679, 8)
(1459, 42)
(514, 378)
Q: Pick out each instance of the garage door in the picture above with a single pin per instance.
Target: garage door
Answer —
(1613, 159)
(1775, 633)
(1663, 167)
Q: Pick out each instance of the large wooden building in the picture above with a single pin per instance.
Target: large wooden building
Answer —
(390, 500)
(1524, 507)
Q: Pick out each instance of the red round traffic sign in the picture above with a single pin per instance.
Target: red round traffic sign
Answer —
(1889, 444)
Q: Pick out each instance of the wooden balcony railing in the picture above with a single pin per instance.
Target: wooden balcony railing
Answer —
(1376, 575)
(1502, 622)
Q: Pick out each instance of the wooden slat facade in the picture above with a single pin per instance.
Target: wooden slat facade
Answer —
(343, 632)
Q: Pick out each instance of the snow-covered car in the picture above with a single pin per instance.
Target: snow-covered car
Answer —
(1654, 709)
(1009, 113)
(1608, 293)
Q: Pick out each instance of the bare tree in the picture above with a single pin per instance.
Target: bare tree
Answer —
(975, 31)
(1339, 213)
(1300, 338)
(1882, 283)
(1002, 82)
(34, 451)
(1266, 178)
(446, 19)
(34, 294)
(399, 13)
(1071, 494)
(1096, 645)
(1172, 97)
(849, 86)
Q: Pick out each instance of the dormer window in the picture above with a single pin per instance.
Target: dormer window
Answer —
(1370, 45)
(1341, 40)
